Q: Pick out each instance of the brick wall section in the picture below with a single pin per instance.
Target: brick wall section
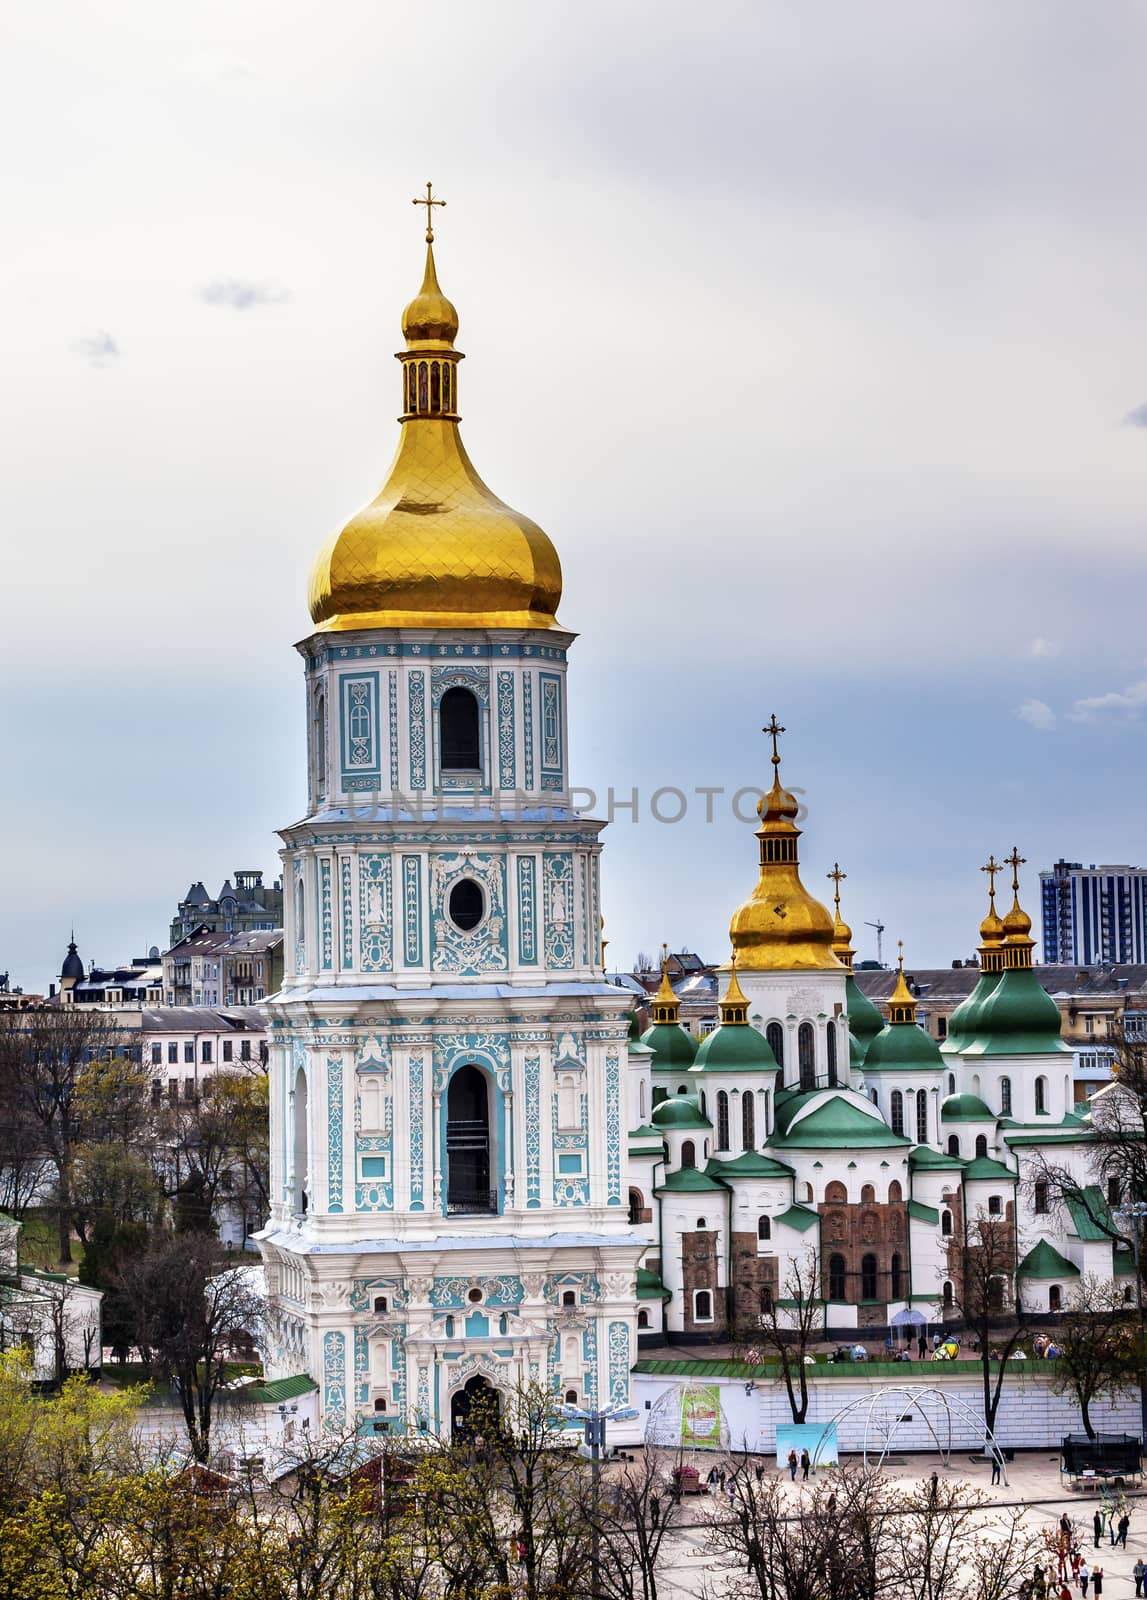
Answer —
(751, 1273)
(699, 1271)
(854, 1231)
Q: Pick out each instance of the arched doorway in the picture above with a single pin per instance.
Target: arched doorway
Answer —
(474, 1407)
(468, 1187)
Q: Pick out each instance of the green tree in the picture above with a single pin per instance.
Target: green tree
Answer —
(1097, 1346)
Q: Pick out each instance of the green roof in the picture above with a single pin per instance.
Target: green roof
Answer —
(280, 1389)
(679, 1111)
(751, 1164)
(798, 1217)
(644, 1130)
(650, 1286)
(923, 1213)
(903, 1047)
(843, 1370)
(962, 1023)
(1045, 1261)
(985, 1167)
(689, 1180)
(925, 1159)
(965, 1108)
(672, 1047)
(1019, 1018)
(1083, 1211)
(735, 1047)
(836, 1123)
(864, 1018)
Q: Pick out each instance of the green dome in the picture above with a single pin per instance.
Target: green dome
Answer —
(903, 1047)
(864, 1018)
(679, 1111)
(735, 1047)
(672, 1047)
(964, 1021)
(965, 1108)
(1018, 1018)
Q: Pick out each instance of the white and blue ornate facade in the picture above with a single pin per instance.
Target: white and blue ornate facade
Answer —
(448, 1066)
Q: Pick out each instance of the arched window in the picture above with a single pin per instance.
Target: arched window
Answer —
(806, 1055)
(569, 1298)
(921, 1116)
(868, 1195)
(830, 1041)
(953, 1144)
(951, 1083)
(641, 1098)
(946, 1224)
(1005, 1097)
(636, 1206)
(748, 1121)
(766, 1299)
(1041, 1097)
(835, 1194)
(894, 1276)
(1039, 1198)
(897, 1111)
(450, 1327)
(320, 733)
(995, 1205)
(460, 747)
(300, 926)
(643, 1319)
(775, 1038)
(435, 392)
(704, 1107)
(949, 1296)
(380, 1302)
(468, 1174)
(503, 1324)
(895, 1193)
(422, 386)
(722, 1120)
(688, 1153)
(836, 1278)
(981, 1146)
(702, 1306)
(701, 1224)
(764, 1228)
(1054, 1298)
(868, 1277)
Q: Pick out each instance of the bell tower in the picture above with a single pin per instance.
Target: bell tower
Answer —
(447, 1096)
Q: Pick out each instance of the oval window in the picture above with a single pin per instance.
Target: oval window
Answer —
(466, 904)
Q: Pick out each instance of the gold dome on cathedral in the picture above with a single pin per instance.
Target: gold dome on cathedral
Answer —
(781, 927)
(435, 548)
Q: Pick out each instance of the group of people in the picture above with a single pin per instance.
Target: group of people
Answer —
(722, 1480)
(1071, 1568)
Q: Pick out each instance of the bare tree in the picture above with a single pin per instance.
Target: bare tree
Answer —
(635, 1515)
(982, 1269)
(1097, 1346)
(788, 1327)
(951, 1543)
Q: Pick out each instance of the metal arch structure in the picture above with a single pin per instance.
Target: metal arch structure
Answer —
(912, 1395)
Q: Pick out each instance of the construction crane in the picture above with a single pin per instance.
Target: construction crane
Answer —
(879, 926)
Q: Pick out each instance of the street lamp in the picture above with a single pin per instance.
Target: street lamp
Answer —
(1130, 1218)
(595, 1422)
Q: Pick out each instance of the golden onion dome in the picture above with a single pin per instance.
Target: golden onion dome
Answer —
(435, 548)
(781, 927)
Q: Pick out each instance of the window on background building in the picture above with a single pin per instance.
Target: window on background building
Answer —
(837, 1278)
(766, 1299)
(205, 1050)
(895, 1193)
(189, 1088)
(701, 1224)
(1054, 1298)
(722, 1120)
(941, 1027)
(1039, 1199)
(189, 1052)
(636, 1206)
(569, 1298)
(156, 1091)
(922, 1116)
(806, 1055)
(764, 1228)
(981, 1146)
(951, 1083)
(995, 1205)
(868, 1195)
(953, 1144)
(1005, 1097)
(227, 1048)
(868, 1277)
(643, 1319)
(1114, 1193)
(380, 1302)
(748, 1121)
(1089, 1024)
(1041, 1097)
(775, 1038)
(172, 1055)
(896, 1111)
(830, 1042)
(702, 1306)
(946, 1224)
(949, 1295)
(156, 1054)
(244, 1050)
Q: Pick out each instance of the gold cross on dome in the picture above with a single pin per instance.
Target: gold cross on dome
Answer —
(428, 203)
(1015, 861)
(991, 867)
(774, 730)
(838, 878)
(900, 957)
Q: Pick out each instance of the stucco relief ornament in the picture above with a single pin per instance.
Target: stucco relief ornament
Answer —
(617, 1285)
(335, 1294)
(533, 1285)
(420, 1289)
(804, 1002)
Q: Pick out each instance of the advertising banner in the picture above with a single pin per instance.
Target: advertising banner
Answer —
(701, 1416)
(800, 1436)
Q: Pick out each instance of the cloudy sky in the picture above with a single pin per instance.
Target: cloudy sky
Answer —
(815, 336)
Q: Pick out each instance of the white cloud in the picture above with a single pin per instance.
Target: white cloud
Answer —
(1041, 649)
(241, 294)
(1127, 704)
(98, 350)
(1138, 417)
(1037, 714)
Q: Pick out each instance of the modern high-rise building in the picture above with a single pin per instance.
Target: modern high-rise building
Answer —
(1093, 914)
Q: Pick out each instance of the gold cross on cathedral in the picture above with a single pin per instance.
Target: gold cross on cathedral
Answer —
(991, 867)
(1015, 861)
(838, 878)
(429, 202)
(774, 730)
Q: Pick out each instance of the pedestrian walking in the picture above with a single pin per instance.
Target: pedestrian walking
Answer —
(1124, 1524)
(1084, 1578)
(995, 1466)
(1076, 1558)
(1039, 1583)
(1065, 1525)
(921, 1348)
(806, 1463)
(1138, 1572)
(1097, 1524)
(1097, 1582)
(760, 1471)
(934, 1488)
(712, 1478)
(792, 1465)
(1064, 1592)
